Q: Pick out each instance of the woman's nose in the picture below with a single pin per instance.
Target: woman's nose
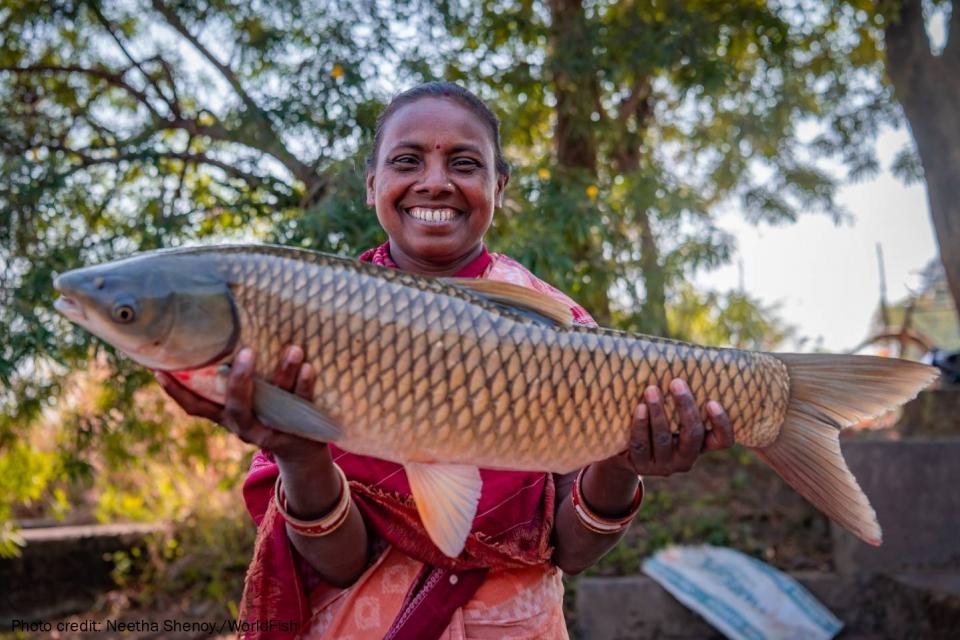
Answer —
(435, 181)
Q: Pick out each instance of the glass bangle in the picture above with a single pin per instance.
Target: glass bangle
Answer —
(600, 524)
(321, 526)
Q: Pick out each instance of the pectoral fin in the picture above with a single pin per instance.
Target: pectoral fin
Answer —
(446, 497)
(290, 413)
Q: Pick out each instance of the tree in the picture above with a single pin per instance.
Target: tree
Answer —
(641, 120)
(928, 87)
(134, 125)
(140, 124)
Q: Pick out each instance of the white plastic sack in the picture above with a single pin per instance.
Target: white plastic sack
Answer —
(741, 596)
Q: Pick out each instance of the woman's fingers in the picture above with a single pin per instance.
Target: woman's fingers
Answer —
(660, 434)
(721, 436)
(691, 426)
(306, 380)
(238, 405)
(653, 449)
(285, 375)
(237, 415)
(640, 451)
(190, 402)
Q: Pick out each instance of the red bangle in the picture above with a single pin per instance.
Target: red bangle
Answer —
(321, 526)
(600, 524)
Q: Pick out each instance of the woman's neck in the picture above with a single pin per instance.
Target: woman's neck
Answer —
(435, 269)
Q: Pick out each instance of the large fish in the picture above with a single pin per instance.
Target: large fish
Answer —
(447, 375)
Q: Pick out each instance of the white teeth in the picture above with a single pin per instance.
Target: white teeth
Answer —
(432, 215)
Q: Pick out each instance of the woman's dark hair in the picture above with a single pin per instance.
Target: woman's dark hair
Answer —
(451, 91)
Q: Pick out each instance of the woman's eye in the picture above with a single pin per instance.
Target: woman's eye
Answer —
(465, 164)
(405, 161)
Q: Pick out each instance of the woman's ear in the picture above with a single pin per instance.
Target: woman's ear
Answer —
(502, 181)
(371, 194)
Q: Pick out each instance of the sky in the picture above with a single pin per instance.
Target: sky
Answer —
(825, 277)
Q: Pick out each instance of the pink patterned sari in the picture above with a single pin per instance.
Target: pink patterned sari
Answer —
(501, 586)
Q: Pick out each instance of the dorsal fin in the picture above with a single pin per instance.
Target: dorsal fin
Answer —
(516, 298)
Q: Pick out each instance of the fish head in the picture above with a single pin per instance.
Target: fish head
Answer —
(165, 311)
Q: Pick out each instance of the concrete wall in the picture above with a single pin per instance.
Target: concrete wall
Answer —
(907, 588)
(914, 485)
(871, 607)
(62, 569)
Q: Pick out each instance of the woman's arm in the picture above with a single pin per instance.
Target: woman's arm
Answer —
(310, 481)
(312, 486)
(609, 487)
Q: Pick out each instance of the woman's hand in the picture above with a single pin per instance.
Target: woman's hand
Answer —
(310, 482)
(654, 451)
(236, 414)
(609, 486)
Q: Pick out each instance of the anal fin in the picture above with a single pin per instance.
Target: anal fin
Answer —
(446, 496)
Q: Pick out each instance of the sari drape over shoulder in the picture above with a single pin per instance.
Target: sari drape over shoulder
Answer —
(412, 590)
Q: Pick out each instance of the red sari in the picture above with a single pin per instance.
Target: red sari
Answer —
(511, 531)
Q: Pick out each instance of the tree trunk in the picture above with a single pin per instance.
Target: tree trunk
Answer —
(626, 157)
(573, 71)
(575, 85)
(653, 312)
(928, 88)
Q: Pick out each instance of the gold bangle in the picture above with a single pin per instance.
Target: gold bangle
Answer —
(600, 524)
(324, 525)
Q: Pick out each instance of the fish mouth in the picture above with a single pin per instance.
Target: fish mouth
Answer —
(70, 307)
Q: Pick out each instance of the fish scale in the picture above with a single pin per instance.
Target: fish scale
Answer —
(454, 375)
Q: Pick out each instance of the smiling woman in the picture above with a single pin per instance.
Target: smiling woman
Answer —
(342, 548)
(434, 178)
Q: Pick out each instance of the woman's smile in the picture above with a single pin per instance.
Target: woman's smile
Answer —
(438, 217)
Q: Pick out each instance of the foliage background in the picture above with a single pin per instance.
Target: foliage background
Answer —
(134, 124)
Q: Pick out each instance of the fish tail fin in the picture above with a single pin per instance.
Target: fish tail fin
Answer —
(828, 393)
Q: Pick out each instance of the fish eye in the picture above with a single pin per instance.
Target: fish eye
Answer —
(124, 313)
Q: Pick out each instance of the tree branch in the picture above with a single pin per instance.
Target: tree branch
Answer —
(174, 21)
(265, 141)
(109, 27)
(255, 181)
(626, 152)
(199, 158)
(265, 137)
(952, 50)
(112, 77)
(181, 179)
(173, 85)
(639, 93)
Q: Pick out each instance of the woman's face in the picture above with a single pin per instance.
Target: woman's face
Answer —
(435, 185)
